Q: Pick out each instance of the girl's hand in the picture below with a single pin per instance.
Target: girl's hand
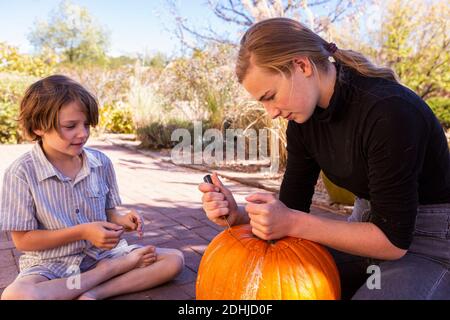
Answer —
(218, 202)
(269, 217)
(102, 234)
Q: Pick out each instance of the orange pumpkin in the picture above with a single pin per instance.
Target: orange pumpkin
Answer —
(239, 266)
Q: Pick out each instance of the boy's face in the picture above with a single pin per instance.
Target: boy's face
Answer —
(72, 134)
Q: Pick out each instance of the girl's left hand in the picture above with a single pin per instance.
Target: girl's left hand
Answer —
(269, 217)
(132, 221)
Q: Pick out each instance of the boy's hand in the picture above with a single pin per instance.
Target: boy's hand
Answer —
(103, 235)
(132, 221)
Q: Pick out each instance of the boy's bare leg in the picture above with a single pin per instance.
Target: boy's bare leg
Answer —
(168, 264)
(39, 288)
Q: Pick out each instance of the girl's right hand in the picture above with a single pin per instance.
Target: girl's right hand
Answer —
(218, 202)
(102, 234)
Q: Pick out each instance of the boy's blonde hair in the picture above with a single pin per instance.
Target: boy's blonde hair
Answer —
(40, 106)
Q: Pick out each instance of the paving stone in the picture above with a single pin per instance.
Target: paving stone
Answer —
(161, 223)
(189, 222)
(7, 245)
(7, 275)
(189, 289)
(6, 258)
(211, 224)
(133, 296)
(191, 259)
(180, 232)
(16, 254)
(206, 232)
(186, 276)
(167, 292)
(3, 236)
(155, 241)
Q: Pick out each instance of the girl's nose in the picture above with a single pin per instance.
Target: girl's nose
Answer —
(273, 112)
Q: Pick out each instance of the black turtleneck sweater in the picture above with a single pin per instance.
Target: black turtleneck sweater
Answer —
(377, 139)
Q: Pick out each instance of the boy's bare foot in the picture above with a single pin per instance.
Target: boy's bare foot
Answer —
(144, 256)
(138, 258)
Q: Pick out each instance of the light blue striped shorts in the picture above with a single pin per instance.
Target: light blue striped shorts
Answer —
(88, 263)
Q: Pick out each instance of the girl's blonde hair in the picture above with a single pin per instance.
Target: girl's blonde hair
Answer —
(274, 43)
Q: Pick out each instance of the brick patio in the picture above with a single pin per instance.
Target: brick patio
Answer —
(169, 199)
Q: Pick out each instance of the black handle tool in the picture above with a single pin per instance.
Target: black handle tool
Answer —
(208, 179)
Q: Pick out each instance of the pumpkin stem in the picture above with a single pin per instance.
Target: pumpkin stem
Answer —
(268, 241)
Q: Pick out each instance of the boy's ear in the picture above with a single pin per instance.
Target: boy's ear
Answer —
(39, 132)
(304, 65)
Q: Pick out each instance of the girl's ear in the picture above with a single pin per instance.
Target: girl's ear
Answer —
(304, 65)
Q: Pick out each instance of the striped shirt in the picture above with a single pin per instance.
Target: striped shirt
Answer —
(36, 196)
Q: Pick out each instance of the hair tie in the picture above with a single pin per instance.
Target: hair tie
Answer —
(331, 47)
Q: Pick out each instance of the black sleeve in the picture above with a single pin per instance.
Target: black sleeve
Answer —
(396, 137)
(301, 174)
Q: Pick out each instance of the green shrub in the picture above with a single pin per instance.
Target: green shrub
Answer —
(116, 119)
(12, 88)
(13, 61)
(441, 108)
(157, 135)
(9, 127)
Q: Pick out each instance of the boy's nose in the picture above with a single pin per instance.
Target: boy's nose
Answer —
(83, 133)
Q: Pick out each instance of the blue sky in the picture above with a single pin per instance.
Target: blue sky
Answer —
(136, 26)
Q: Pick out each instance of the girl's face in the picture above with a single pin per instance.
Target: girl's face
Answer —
(292, 97)
(72, 134)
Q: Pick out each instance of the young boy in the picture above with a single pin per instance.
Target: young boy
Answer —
(59, 203)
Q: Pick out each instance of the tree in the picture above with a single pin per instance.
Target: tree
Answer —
(319, 15)
(71, 32)
(410, 36)
(415, 42)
